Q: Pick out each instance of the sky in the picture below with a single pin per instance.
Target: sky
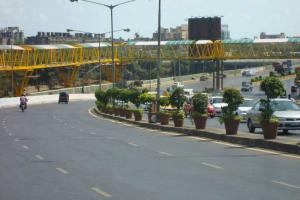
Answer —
(246, 18)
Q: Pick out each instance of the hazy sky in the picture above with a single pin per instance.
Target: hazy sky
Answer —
(246, 18)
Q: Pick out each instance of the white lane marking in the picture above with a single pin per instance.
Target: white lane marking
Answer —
(17, 140)
(39, 157)
(93, 133)
(211, 165)
(286, 184)
(101, 192)
(126, 125)
(197, 138)
(62, 170)
(226, 144)
(25, 147)
(133, 144)
(109, 138)
(165, 153)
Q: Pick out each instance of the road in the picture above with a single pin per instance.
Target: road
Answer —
(61, 152)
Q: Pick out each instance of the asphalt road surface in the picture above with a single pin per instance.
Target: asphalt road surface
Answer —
(61, 152)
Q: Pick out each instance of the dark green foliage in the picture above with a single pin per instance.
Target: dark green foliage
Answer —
(164, 101)
(177, 98)
(134, 97)
(272, 87)
(233, 98)
(101, 96)
(200, 103)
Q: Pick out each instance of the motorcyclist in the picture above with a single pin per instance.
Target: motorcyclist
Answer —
(23, 100)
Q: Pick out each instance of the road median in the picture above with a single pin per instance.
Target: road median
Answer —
(246, 140)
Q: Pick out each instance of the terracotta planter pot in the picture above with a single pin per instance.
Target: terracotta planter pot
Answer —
(178, 121)
(164, 118)
(152, 117)
(200, 122)
(269, 129)
(232, 127)
(137, 116)
(122, 112)
(128, 114)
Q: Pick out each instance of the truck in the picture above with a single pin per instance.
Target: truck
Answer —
(283, 67)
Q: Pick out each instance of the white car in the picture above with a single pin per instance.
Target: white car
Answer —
(244, 108)
(218, 104)
(177, 85)
(188, 93)
(285, 110)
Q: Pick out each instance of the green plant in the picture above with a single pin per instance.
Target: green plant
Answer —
(200, 103)
(101, 96)
(146, 98)
(196, 114)
(233, 98)
(140, 111)
(164, 112)
(164, 101)
(177, 98)
(273, 88)
(178, 114)
(133, 97)
(124, 95)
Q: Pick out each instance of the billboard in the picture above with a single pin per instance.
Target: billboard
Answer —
(205, 28)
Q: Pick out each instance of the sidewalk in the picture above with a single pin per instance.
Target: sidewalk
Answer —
(282, 144)
(43, 99)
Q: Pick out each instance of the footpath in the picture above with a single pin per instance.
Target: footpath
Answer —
(242, 139)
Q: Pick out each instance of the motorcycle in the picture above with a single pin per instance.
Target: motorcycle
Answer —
(23, 106)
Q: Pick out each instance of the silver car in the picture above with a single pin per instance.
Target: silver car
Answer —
(244, 108)
(285, 110)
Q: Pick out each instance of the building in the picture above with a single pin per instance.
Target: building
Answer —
(11, 35)
(177, 33)
(63, 37)
(225, 33)
(263, 35)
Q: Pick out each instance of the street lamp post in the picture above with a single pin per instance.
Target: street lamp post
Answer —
(111, 7)
(99, 47)
(158, 57)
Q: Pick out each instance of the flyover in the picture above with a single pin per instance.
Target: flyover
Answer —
(67, 59)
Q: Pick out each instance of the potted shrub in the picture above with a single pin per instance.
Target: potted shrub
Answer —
(199, 114)
(102, 100)
(273, 88)
(178, 117)
(128, 113)
(164, 115)
(147, 99)
(177, 99)
(138, 114)
(229, 117)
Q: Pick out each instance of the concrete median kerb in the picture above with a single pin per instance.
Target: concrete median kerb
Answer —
(214, 134)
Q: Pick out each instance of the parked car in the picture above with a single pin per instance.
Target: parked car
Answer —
(285, 110)
(217, 103)
(244, 108)
(188, 93)
(63, 97)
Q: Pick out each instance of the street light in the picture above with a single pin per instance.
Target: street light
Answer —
(111, 7)
(99, 48)
(158, 58)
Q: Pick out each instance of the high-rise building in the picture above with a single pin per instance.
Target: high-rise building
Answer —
(11, 35)
(225, 33)
(178, 33)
